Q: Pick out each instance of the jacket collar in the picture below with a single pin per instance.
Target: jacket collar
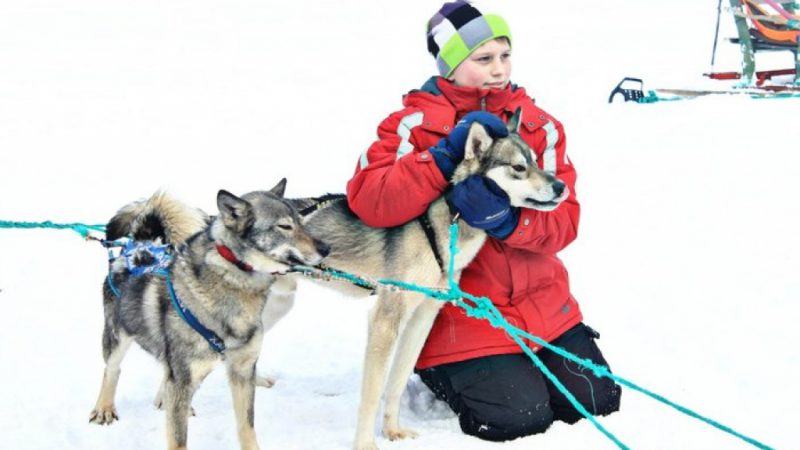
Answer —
(466, 99)
(449, 102)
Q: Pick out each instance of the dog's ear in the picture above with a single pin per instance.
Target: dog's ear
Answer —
(514, 121)
(478, 141)
(236, 213)
(279, 188)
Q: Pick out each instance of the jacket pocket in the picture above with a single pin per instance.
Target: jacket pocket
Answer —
(531, 275)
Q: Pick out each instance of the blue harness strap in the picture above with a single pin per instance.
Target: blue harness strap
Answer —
(217, 344)
(150, 258)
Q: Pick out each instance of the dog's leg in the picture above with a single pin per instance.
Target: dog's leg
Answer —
(241, 378)
(114, 348)
(181, 383)
(412, 338)
(178, 396)
(279, 302)
(158, 401)
(384, 322)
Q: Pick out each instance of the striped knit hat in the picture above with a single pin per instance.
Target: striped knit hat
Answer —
(457, 29)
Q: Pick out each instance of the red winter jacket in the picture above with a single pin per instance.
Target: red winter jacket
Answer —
(396, 180)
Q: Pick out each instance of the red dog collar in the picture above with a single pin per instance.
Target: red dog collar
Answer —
(227, 253)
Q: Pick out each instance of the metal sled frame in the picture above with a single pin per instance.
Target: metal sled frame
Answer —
(751, 40)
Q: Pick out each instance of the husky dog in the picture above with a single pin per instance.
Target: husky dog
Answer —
(220, 275)
(402, 320)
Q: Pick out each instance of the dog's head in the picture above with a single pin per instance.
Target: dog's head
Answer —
(511, 163)
(264, 231)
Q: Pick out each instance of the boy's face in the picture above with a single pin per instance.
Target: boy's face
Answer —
(487, 67)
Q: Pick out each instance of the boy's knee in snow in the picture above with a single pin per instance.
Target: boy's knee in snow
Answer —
(509, 424)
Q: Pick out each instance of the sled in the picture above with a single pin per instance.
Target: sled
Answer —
(762, 26)
(764, 30)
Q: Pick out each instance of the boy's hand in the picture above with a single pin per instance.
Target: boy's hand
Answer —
(450, 150)
(482, 204)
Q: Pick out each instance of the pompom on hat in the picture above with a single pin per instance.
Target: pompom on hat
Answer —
(457, 29)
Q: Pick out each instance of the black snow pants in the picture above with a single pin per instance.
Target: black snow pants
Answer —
(504, 397)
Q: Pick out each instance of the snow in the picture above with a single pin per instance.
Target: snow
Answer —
(686, 263)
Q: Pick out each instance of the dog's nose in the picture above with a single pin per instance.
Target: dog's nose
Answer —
(558, 188)
(323, 249)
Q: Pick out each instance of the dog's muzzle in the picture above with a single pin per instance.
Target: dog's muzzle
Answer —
(560, 193)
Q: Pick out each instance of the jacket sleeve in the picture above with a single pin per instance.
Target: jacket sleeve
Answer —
(550, 232)
(396, 178)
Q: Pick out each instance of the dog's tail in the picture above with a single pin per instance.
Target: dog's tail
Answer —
(161, 216)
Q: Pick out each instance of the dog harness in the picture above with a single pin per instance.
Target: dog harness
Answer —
(321, 202)
(425, 223)
(216, 343)
(147, 257)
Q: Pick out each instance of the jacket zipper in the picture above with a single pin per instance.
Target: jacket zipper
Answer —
(483, 103)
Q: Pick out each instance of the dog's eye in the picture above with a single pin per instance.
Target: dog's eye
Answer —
(518, 168)
(285, 227)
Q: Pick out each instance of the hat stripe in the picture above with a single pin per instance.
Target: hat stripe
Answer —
(454, 51)
(435, 20)
(462, 15)
(449, 7)
(442, 66)
(474, 32)
(443, 32)
(498, 25)
(432, 47)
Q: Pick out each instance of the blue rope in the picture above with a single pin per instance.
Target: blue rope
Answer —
(82, 229)
(483, 308)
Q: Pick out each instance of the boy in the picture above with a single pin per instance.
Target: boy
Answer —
(485, 377)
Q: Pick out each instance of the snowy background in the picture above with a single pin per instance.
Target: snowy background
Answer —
(687, 261)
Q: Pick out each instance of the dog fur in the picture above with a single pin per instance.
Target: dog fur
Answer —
(265, 233)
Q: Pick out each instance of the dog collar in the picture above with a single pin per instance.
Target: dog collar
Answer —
(227, 253)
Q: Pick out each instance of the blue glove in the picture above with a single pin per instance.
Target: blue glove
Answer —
(482, 204)
(449, 151)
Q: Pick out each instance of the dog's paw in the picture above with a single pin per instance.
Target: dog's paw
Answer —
(399, 433)
(103, 416)
(266, 382)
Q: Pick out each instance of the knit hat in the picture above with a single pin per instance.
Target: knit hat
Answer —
(457, 29)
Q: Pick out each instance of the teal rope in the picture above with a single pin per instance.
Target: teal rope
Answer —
(486, 309)
(602, 371)
(482, 308)
(652, 97)
(82, 229)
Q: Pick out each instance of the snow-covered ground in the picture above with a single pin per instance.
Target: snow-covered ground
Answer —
(687, 261)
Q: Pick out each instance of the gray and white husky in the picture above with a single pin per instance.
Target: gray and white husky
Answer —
(401, 320)
(222, 270)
